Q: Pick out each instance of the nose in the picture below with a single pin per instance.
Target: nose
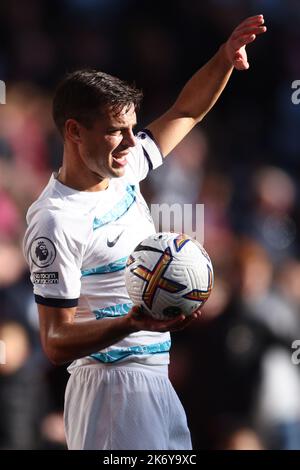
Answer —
(129, 138)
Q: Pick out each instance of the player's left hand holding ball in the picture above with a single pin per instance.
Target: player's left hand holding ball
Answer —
(244, 33)
(141, 321)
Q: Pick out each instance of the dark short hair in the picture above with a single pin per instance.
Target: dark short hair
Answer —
(84, 94)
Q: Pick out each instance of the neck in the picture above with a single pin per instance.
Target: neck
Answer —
(76, 175)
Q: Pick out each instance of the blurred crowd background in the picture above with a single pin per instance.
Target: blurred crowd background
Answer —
(233, 369)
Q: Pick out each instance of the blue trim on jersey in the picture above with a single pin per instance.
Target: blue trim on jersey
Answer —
(119, 354)
(118, 210)
(117, 265)
(118, 310)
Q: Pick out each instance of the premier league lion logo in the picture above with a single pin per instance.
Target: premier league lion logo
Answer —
(42, 252)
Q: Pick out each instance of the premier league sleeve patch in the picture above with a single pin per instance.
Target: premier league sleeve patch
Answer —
(42, 252)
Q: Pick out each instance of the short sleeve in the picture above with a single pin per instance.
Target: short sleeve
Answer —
(54, 260)
(145, 156)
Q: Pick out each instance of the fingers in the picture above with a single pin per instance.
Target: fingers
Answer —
(187, 320)
(197, 312)
(249, 31)
(249, 25)
(252, 20)
(244, 34)
(243, 41)
(146, 322)
(174, 323)
(249, 39)
(185, 323)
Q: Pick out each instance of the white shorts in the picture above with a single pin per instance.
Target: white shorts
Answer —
(124, 407)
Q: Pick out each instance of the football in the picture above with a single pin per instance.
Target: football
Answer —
(169, 274)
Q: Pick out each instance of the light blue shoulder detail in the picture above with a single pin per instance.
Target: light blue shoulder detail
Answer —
(119, 354)
(118, 310)
(118, 210)
(117, 265)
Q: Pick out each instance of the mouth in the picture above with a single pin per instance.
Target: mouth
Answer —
(120, 158)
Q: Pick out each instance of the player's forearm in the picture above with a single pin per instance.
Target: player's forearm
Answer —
(71, 341)
(204, 88)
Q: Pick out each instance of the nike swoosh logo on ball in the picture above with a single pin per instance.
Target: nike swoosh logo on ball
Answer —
(113, 242)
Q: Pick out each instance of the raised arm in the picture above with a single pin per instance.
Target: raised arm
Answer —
(204, 88)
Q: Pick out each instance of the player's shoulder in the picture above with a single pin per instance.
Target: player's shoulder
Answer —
(48, 202)
(56, 206)
(52, 229)
(47, 211)
(52, 216)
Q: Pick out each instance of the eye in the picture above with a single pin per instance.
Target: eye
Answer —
(115, 132)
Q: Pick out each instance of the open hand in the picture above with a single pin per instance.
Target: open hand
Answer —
(141, 321)
(244, 33)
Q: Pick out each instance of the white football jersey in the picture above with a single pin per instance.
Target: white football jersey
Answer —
(77, 244)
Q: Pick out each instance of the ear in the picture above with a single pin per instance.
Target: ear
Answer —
(73, 130)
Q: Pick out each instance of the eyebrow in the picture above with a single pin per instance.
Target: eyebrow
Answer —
(117, 128)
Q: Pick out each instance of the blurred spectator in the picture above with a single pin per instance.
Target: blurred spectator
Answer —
(288, 282)
(53, 432)
(20, 391)
(234, 434)
(278, 407)
(271, 222)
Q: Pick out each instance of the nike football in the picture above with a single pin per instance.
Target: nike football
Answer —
(169, 274)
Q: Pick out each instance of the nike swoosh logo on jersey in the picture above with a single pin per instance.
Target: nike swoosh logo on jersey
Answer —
(113, 242)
